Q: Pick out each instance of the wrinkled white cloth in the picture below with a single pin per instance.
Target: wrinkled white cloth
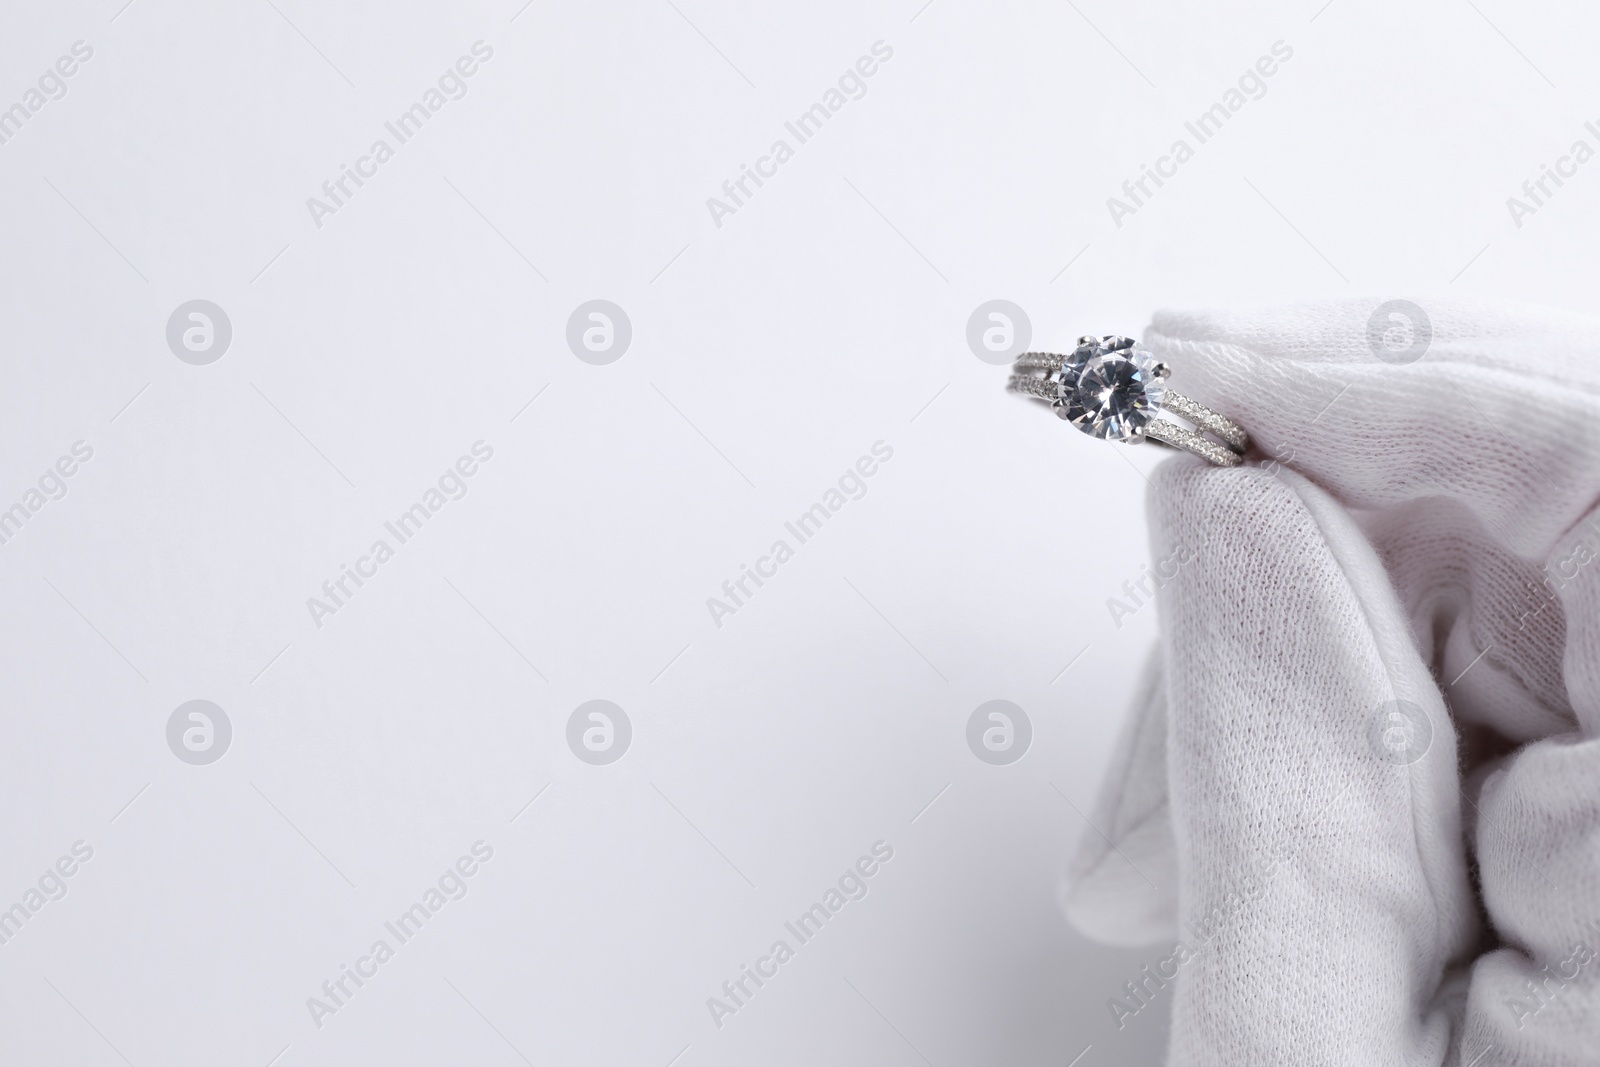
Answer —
(1344, 888)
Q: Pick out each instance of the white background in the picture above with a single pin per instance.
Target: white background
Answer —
(768, 353)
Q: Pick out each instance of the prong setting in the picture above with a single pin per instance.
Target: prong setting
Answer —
(1113, 388)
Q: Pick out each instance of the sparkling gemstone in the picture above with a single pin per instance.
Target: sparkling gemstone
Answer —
(1118, 388)
(1065, 380)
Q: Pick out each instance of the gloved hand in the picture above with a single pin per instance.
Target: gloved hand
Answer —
(1359, 798)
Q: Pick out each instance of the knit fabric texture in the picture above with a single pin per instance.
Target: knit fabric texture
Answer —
(1360, 785)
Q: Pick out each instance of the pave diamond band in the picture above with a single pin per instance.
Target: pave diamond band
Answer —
(1170, 433)
(1113, 388)
(1040, 388)
(1205, 419)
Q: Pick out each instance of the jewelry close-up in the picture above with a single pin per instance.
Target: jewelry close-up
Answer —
(1115, 389)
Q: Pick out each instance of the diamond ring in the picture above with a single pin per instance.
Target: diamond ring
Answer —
(1113, 388)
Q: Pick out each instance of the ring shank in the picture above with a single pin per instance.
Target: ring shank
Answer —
(1170, 433)
(1206, 419)
(1038, 388)
(1163, 431)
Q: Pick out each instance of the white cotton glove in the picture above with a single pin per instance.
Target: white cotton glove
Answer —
(1330, 886)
